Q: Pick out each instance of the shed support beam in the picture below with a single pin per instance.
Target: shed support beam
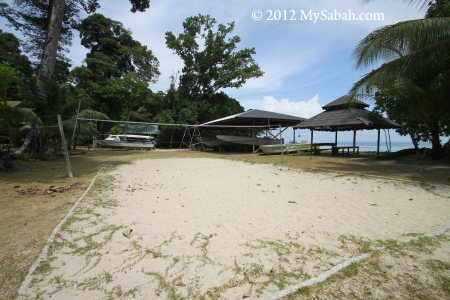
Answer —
(312, 140)
(354, 141)
(335, 138)
(279, 133)
(378, 142)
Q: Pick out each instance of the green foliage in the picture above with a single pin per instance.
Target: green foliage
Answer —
(15, 69)
(9, 82)
(214, 64)
(11, 55)
(413, 83)
(421, 110)
(118, 68)
(115, 130)
(31, 18)
(113, 49)
(85, 129)
(438, 8)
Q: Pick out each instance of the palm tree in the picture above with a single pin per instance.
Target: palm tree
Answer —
(52, 100)
(416, 52)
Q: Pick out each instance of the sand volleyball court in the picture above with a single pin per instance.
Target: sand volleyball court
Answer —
(201, 228)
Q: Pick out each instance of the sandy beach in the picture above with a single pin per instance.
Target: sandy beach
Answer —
(205, 227)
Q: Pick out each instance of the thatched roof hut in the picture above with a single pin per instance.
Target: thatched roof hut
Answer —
(345, 114)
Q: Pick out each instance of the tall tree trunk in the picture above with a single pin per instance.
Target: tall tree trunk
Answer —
(50, 51)
(436, 147)
(130, 110)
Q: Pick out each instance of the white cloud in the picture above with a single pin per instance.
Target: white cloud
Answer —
(300, 108)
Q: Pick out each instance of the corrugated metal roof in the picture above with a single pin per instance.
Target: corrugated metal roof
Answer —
(256, 117)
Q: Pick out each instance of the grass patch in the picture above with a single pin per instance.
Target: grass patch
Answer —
(202, 242)
(350, 271)
(139, 252)
(95, 283)
(165, 285)
(43, 268)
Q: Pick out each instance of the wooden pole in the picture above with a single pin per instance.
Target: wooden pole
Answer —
(354, 140)
(294, 135)
(253, 135)
(335, 138)
(66, 153)
(312, 140)
(76, 123)
(378, 142)
(281, 140)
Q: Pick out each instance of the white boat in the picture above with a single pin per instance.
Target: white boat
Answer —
(284, 148)
(247, 140)
(129, 141)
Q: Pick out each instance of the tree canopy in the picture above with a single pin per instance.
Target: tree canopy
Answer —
(211, 59)
(116, 66)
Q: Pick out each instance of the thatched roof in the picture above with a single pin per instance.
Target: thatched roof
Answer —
(256, 117)
(344, 102)
(346, 114)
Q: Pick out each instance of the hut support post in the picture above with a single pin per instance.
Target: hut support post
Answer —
(354, 140)
(378, 142)
(253, 135)
(294, 135)
(335, 138)
(312, 140)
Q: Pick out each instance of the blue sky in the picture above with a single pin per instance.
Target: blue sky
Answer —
(306, 64)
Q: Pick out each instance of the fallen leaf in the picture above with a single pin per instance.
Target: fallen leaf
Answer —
(127, 232)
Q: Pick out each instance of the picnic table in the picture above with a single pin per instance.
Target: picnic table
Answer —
(336, 149)
(316, 147)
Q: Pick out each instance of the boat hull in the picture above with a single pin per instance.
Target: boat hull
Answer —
(126, 145)
(284, 148)
(249, 141)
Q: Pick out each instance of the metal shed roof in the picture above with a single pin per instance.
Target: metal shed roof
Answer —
(256, 117)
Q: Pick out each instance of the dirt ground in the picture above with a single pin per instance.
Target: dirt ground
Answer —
(37, 195)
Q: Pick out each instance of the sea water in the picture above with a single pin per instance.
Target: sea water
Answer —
(372, 146)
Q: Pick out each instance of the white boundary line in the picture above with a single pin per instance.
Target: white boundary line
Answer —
(320, 278)
(327, 274)
(44, 253)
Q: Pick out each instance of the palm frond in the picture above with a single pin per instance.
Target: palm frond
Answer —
(92, 114)
(394, 41)
(424, 63)
(418, 3)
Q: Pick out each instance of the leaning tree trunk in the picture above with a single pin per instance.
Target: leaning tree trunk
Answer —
(416, 144)
(50, 51)
(34, 139)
